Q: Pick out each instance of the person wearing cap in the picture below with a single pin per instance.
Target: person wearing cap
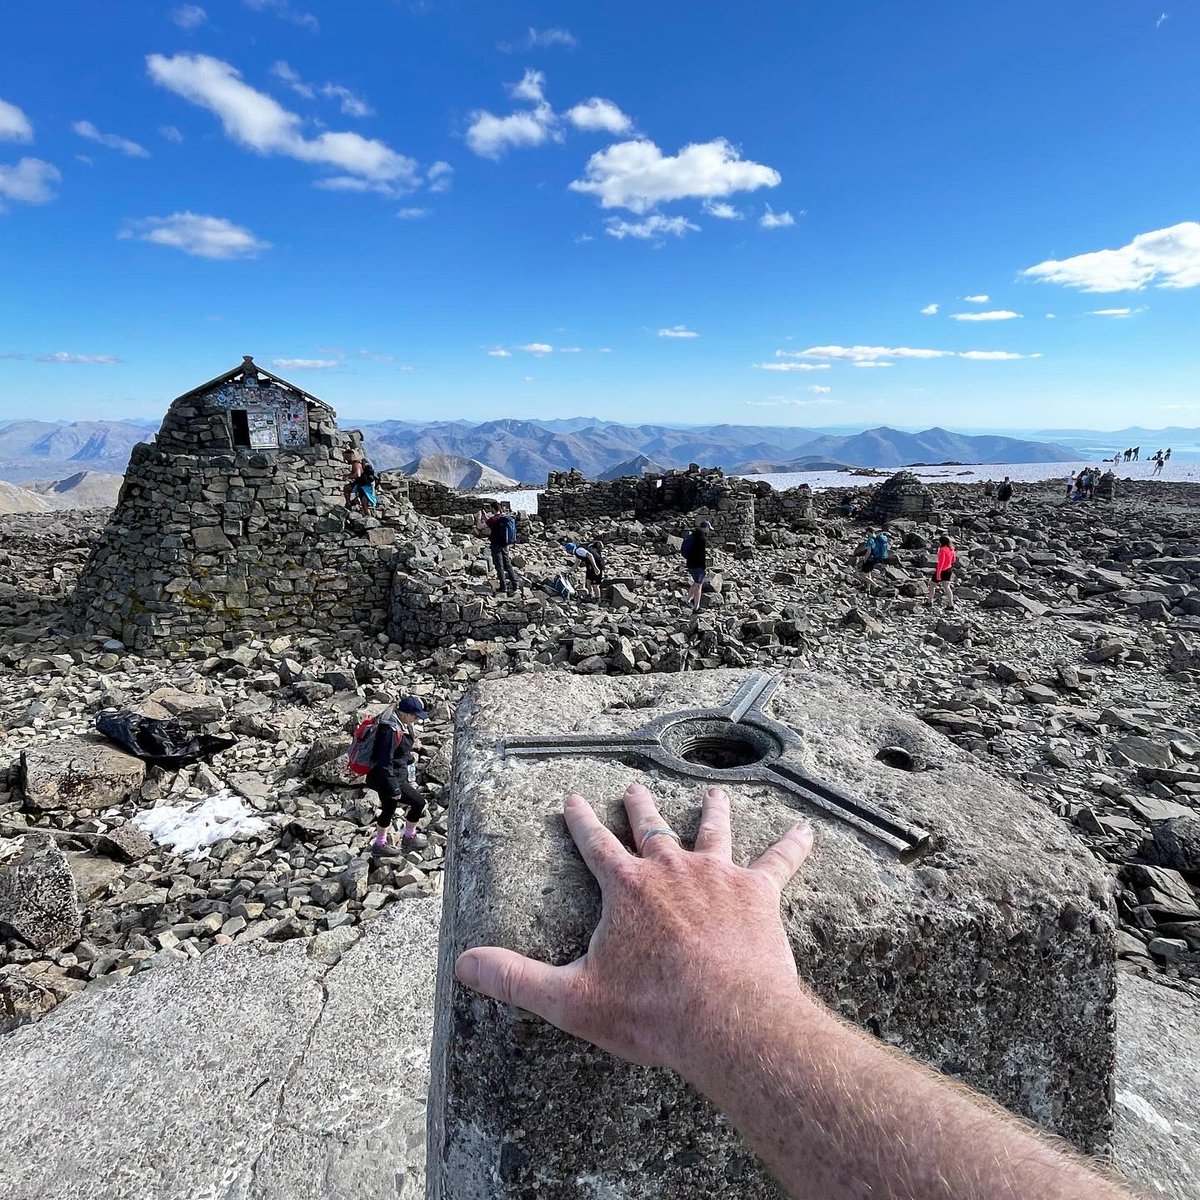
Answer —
(391, 775)
(584, 555)
(695, 555)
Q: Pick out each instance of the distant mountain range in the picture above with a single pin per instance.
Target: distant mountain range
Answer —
(456, 472)
(528, 450)
(84, 489)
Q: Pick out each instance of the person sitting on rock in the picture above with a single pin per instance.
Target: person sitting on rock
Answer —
(393, 775)
(361, 484)
(873, 551)
(695, 556)
(946, 558)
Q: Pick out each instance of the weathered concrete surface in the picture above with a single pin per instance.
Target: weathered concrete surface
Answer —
(1157, 1139)
(256, 1073)
(961, 958)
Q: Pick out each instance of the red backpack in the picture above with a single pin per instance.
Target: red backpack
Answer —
(361, 754)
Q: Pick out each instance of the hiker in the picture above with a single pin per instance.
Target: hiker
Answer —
(872, 552)
(594, 569)
(946, 558)
(690, 970)
(1137, 450)
(1167, 456)
(695, 555)
(1070, 484)
(361, 484)
(989, 488)
(1158, 463)
(393, 775)
(1004, 493)
(502, 533)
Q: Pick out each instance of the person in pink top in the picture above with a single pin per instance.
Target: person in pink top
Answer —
(946, 558)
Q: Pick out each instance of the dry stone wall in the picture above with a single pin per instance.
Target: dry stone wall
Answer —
(212, 541)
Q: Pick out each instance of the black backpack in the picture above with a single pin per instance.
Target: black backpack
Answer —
(367, 474)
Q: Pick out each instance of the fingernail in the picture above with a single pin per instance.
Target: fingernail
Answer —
(804, 829)
(467, 969)
(715, 791)
(632, 787)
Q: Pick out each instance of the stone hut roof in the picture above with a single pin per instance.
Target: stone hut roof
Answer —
(247, 408)
(240, 373)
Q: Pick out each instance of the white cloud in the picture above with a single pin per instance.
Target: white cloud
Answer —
(112, 141)
(1161, 18)
(305, 364)
(1051, 316)
(537, 349)
(654, 226)
(819, 389)
(570, 349)
(929, 310)
(538, 39)
(788, 401)
(1167, 258)
(289, 75)
(14, 124)
(870, 353)
(490, 136)
(994, 355)
(980, 299)
(531, 86)
(101, 360)
(498, 352)
(999, 314)
(198, 235)
(526, 378)
(722, 210)
(599, 114)
(637, 175)
(375, 356)
(678, 331)
(260, 123)
(412, 214)
(189, 16)
(29, 181)
(352, 104)
(440, 176)
(791, 366)
(171, 133)
(874, 364)
(1110, 312)
(285, 12)
(774, 220)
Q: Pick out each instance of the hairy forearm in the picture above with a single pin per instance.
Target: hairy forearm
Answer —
(835, 1116)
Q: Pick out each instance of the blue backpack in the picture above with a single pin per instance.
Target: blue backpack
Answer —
(880, 547)
(686, 546)
(510, 529)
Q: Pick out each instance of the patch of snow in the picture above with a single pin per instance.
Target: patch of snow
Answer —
(191, 830)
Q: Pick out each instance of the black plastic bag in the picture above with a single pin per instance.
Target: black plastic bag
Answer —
(165, 743)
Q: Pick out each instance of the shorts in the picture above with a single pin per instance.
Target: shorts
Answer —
(367, 492)
(592, 577)
(870, 564)
(699, 574)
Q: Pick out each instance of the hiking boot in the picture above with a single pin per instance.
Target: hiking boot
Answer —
(385, 850)
(417, 841)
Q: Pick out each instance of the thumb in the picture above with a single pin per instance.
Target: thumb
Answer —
(514, 979)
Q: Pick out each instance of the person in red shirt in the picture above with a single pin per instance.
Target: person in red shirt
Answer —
(946, 558)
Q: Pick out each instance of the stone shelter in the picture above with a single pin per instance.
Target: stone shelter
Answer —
(231, 524)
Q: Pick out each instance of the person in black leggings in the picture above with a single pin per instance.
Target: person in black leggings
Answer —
(391, 775)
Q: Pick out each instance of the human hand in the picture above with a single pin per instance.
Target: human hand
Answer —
(686, 939)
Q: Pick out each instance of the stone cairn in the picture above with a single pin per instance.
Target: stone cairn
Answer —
(901, 497)
(232, 525)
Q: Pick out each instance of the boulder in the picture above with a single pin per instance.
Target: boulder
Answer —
(76, 773)
(38, 901)
(1176, 844)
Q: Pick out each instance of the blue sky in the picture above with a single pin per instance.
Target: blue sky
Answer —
(643, 212)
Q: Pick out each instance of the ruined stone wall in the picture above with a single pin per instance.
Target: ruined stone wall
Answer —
(433, 499)
(426, 612)
(204, 548)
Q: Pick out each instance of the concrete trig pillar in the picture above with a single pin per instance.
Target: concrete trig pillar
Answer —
(941, 909)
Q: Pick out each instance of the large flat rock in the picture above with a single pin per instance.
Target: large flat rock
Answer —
(78, 773)
(255, 1073)
(958, 957)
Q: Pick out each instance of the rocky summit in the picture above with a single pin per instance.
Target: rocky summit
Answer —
(1069, 663)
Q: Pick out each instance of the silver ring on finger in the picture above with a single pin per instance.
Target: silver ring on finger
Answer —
(655, 832)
